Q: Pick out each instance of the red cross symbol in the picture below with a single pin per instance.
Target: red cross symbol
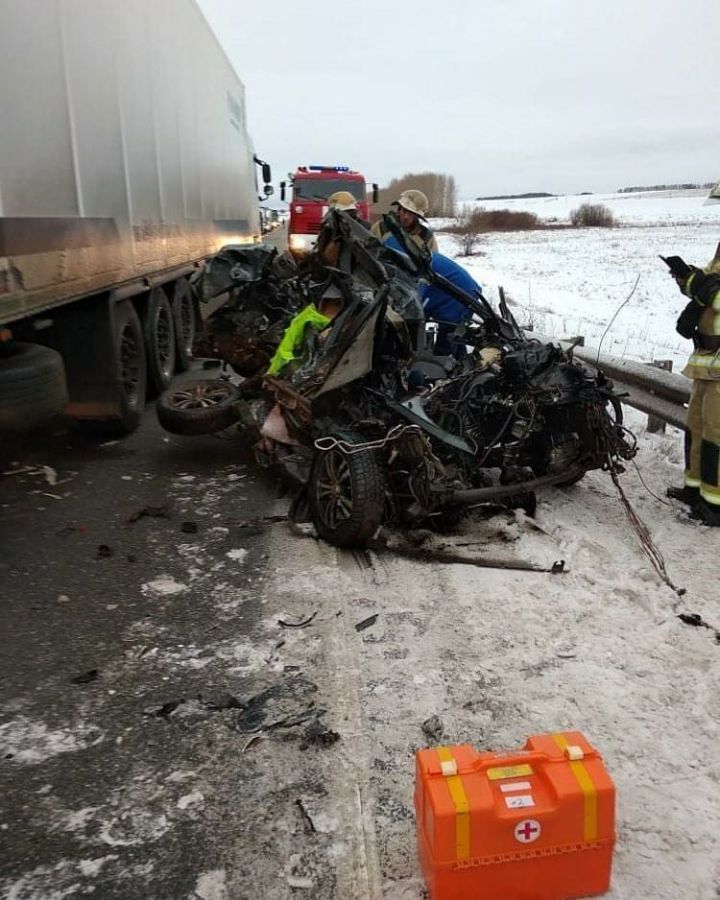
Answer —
(527, 831)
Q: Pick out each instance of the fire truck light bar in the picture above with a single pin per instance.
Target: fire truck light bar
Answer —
(329, 168)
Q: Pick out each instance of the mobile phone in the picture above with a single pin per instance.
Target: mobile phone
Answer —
(677, 266)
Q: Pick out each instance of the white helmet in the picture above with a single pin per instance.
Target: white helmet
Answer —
(342, 200)
(414, 201)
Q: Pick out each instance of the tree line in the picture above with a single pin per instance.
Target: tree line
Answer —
(440, 189)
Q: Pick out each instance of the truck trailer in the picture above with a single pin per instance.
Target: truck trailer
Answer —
(125, 163)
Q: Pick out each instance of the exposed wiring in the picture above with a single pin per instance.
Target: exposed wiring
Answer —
(651, 492)
(644, 537)
(617, 312)
(499, 434)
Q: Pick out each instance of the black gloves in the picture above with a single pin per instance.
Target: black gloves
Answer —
(688, 320)
(704, 287)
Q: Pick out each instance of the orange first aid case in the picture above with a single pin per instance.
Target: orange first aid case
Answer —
(534, 824)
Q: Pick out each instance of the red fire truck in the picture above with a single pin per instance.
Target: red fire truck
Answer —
(311, 187)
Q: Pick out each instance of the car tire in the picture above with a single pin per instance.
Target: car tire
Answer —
(160, 348)
(346, 493)
(32, 386)
(198, 407)
(183, 309)
(131, 367)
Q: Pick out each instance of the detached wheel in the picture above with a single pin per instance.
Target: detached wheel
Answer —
(130, 365)
(198, 407)
(346, 493)
(32, 386)
(183, 309)
(159, 330)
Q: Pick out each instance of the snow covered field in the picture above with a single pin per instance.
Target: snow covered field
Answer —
(572, 281)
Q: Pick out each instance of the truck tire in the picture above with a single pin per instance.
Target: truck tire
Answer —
(183, 308)
(159, 330)
(346, 493)
(198, 407)
(32, 386)
(131, 365)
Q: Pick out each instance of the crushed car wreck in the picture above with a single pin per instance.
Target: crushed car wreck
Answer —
(388, 430)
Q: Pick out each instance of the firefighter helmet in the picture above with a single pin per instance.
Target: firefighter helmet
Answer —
(342, 200)
(414, 201)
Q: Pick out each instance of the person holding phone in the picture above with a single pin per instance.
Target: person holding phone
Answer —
(700, 322)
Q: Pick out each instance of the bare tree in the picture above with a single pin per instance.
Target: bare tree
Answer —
(440, 189)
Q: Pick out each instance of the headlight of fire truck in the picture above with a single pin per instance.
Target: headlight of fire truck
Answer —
(302, 243)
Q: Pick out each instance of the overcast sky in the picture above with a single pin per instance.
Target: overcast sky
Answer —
(506, 95)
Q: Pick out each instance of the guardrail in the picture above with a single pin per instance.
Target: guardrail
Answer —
(661, 394)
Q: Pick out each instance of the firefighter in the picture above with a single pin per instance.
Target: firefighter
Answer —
(328, 246)
(345, 202)
(409, 211)
(700, 320)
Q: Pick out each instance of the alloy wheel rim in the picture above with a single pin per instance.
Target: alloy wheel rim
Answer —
(333, 489)
(200, 396)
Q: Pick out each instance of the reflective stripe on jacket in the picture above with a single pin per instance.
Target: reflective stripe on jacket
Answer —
(704, 365)
(422, 235)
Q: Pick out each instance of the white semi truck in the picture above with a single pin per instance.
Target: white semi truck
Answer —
(125, 163)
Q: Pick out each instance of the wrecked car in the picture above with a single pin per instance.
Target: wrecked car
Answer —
(385, 429)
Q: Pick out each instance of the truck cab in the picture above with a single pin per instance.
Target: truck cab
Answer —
(311, 186)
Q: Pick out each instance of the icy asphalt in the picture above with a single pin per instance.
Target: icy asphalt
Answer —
(187, 709)
(123, 771)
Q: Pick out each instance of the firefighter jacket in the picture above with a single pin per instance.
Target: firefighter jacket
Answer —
(703, 288)
(421, 234)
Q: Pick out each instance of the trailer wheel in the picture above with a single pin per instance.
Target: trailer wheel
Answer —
(346, 492)
(159, 329)
(131, 365)
(183, 308)
(32, 386)
(198, 407)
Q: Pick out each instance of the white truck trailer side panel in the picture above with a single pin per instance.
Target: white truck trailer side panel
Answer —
(123, 147)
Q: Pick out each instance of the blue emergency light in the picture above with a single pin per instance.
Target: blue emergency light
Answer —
(329, 168)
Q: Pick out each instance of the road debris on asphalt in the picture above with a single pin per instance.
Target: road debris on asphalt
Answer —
(366, 623)
(433, 728)
(86, 677)
(286, 705)
(305, 816)
(697, 621)
(163, 584)
(150, 512)
(303, 623)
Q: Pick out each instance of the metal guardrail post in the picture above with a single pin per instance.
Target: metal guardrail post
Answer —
(656, 425)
